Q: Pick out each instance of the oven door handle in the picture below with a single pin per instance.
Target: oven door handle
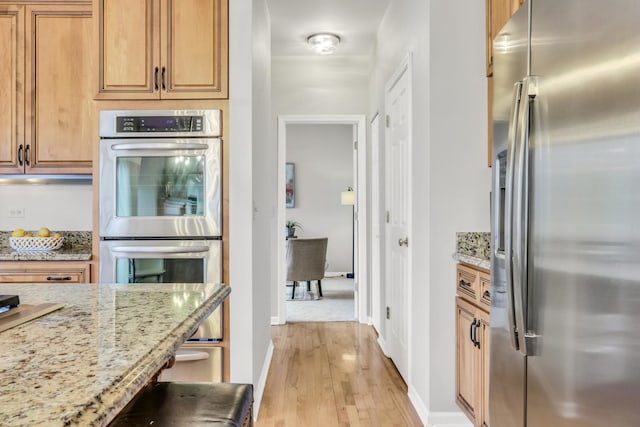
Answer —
(159, 249)
(159, 146)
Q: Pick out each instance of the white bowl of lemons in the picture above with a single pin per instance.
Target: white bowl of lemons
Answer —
(39, 241)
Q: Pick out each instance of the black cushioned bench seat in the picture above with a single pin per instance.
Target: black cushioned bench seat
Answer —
(189, 404)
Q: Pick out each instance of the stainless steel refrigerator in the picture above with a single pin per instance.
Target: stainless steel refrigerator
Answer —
(565, 310)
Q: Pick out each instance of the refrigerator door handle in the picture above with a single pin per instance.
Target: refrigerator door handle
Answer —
(521, 215)
(508, 217)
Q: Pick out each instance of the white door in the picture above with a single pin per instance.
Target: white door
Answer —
(398, 221)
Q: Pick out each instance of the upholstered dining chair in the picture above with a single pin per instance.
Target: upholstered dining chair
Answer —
(306, 260)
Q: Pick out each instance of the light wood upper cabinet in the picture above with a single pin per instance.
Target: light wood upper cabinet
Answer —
(11, 87)
(498, 13)
(162, 49)
(46, 119)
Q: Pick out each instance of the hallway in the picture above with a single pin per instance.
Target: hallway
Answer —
(328, 374)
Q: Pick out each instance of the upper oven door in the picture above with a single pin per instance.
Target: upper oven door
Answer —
(160, 187)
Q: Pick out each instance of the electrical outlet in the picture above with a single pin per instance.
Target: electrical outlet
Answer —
(16, 212)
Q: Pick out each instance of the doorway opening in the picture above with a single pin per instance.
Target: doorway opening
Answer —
(337, 270)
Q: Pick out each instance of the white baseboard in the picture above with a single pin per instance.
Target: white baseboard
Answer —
(275, 320)
(418, 404)
(258, 390)
(448, 419)
(382, 345)
(436, 419)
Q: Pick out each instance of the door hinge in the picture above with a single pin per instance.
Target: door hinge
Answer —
(388, 217)
(355, 145)
(388, 313)
(388, 120)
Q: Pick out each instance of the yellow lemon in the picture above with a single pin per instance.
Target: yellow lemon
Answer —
(56, 235)
(44, 232)
(18, 232)
(28, 234)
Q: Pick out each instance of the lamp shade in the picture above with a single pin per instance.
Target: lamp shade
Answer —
(347, 197)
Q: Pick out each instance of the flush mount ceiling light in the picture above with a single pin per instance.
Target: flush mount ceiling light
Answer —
(324, 43)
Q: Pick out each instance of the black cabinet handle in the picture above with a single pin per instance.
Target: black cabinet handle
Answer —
(26, 155)
(164, 86)
(155, 78)
(475, 334)
(486, 294)
(20, 163)
(59, 279)
(463, 283)
(471, 329)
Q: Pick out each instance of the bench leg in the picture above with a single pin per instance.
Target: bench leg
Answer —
(293, 289)
(320, 287)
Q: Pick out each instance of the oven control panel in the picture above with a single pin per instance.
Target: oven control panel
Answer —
(138, 124)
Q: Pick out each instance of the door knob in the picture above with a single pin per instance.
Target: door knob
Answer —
(403, 242)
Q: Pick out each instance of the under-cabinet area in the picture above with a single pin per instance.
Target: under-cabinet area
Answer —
(473, 293)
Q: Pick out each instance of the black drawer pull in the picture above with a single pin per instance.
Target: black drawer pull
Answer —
(471, 328)
(486, 294)
(463, 283)
(59, 279)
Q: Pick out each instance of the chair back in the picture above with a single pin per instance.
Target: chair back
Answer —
(306, 259)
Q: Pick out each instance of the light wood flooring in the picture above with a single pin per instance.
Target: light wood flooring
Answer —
(332, 374)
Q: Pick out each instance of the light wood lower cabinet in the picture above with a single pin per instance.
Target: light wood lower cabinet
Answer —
(44, 272)
(472, 346)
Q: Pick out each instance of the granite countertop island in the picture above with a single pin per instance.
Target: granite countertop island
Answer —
(82, 364)
(76, 247)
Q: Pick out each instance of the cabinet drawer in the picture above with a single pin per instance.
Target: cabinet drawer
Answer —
(467, 283)
(57, 277)
(44, 272)
(485, 289)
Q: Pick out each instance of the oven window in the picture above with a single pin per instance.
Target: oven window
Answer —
(160, 270)
(160, 186)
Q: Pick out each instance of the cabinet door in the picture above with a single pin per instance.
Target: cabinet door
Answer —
(58, 104)
(11, 87)
(498, 13)
(483, 336)
(467, 373)
(128, 33)
(194, 49)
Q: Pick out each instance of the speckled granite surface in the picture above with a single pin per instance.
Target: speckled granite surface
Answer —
(474, 248)
(76, 247)
(80, 365)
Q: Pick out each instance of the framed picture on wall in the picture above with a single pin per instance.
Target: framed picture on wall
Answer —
(289, 186)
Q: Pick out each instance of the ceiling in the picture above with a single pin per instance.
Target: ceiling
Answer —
(355, 21)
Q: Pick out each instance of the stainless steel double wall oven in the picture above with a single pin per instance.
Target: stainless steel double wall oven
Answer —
(160, 202)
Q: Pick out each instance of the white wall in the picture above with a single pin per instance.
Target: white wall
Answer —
(323, 159)
(55, 206)
(250, 275)
(446, 40)
(316, 85)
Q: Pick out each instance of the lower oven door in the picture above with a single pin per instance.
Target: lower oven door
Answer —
(195, 364)
(166, 261)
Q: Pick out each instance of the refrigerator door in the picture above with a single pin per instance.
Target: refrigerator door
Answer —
(584, 242)
(507, 365)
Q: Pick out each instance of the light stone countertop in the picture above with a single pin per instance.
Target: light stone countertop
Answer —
(76, 247)
(82, 364)
(473, 248)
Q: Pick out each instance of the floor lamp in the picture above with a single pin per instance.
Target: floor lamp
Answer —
(348, 198)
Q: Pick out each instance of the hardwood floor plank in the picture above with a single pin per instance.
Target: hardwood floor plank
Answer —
(332, 374)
